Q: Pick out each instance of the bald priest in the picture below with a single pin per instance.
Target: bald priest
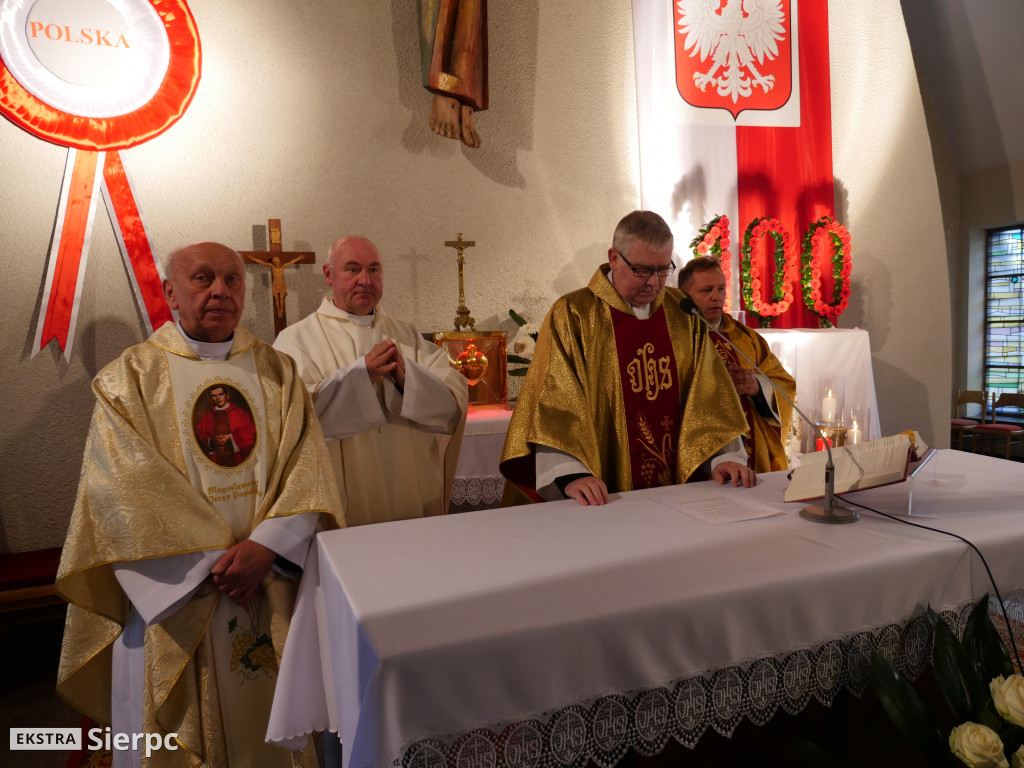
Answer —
(391, 406)
(180, 567)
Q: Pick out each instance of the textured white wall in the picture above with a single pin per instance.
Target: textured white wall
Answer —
(312, 112)
(888, 197)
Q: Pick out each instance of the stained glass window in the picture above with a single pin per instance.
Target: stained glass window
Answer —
(1004, 311)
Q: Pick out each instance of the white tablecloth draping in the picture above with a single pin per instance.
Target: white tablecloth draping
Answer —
(828, 351)
(548, 633)
(478, 482)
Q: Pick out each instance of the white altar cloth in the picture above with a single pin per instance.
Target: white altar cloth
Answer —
(519, 620)
(828, 351)
(478, 482)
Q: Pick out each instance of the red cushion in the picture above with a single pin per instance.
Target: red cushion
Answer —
(999, 429)
(963, 422)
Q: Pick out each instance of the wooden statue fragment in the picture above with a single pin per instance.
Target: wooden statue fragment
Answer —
(453, 58)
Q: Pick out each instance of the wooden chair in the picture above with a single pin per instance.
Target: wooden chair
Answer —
(1011, 433)
(960, 424)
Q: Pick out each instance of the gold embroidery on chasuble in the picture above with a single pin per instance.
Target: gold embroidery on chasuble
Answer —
(221, 418)
(650, 393)
(573, 396)
(142, 496)
(230, 468)
(732, 360)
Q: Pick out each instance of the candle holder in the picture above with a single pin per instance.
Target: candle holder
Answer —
(836, 435)
(858, 424)
(828, 410)
(831, 397)
(785, 351)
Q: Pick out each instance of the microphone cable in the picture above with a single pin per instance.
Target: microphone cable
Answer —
(689, 307)
(984, 562)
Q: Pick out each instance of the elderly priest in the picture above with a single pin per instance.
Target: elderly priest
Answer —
(625, 390)
(391, 405)
(180, 570)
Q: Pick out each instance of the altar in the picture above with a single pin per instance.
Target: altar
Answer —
(555, 633)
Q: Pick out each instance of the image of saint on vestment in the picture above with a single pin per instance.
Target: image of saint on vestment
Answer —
(223, 425)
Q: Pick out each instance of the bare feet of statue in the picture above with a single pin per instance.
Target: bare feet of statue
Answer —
(469, 134)
(444, 117)
(453, 120)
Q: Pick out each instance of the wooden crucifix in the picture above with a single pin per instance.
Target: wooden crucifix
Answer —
(277, 259)
(462, 316)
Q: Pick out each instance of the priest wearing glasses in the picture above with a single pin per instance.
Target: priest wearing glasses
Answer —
(625, 390)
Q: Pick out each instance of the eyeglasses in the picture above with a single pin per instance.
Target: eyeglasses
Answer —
(646, 272)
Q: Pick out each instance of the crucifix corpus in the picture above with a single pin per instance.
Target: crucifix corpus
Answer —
(277, 260)
(462, 318)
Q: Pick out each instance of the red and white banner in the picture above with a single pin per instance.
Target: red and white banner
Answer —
(96, 76)
(735, 118)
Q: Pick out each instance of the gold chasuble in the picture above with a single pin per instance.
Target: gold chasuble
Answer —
(640, 403)
(763, 442)
(152, 487)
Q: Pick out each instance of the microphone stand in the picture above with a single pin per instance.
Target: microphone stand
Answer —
(829, 511)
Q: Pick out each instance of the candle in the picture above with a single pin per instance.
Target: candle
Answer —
(828, 408)
(853, 436)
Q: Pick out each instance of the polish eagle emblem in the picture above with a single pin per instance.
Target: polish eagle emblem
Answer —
(732, 43)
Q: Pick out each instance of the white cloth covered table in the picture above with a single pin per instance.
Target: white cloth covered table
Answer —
(478, 481)
(828, 351)
(546, 632)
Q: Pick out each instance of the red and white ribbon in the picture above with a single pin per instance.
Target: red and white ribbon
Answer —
(95, 121)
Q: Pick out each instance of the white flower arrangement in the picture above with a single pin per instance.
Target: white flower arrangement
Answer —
(521, 349)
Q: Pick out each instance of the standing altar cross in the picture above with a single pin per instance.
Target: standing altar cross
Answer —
(277, 260)
(462, 318)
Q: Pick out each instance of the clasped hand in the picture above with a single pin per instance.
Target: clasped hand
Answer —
(386, 359)
(744, 381)
(240, 571)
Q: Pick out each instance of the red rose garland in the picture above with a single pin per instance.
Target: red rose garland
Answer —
(785, 271)
(713, 240)
(825, 232)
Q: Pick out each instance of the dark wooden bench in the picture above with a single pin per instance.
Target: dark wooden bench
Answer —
(27, 579)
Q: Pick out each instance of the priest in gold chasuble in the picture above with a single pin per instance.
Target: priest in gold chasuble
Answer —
(625, 390)
(768, 416)
(180, 564)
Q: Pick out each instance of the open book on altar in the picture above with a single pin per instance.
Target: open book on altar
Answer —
(858, 467)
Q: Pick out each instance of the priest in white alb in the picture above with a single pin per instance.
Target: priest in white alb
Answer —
(180, 570)
(391, 406)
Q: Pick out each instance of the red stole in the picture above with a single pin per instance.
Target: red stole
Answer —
(650, 396)
(732, 360)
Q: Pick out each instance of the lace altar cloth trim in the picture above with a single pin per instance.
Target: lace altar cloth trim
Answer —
(477, 490)
(603, 728)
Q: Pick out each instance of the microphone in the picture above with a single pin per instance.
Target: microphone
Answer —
(829, 512)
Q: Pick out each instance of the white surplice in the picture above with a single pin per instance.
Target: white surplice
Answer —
(390, 449)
